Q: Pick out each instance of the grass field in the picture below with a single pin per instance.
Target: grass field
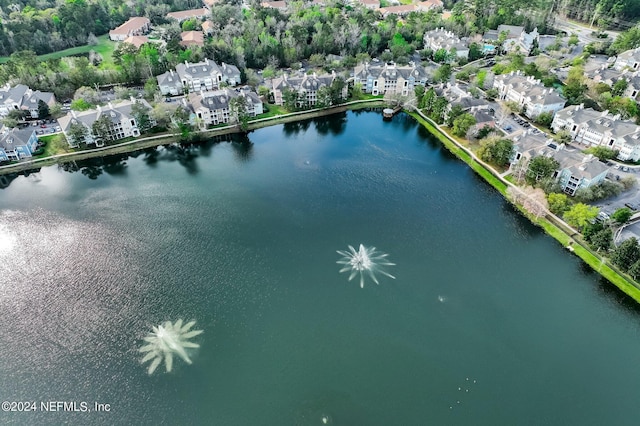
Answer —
(104, 47)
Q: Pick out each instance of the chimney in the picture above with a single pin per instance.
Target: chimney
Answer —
(206, 61)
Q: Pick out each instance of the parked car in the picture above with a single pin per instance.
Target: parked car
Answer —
(625, 169)
(633, 207)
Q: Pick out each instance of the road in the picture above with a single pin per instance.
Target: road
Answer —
(583, 31)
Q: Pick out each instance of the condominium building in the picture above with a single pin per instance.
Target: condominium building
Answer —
(380, 78)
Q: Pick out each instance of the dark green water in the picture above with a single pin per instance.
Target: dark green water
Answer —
(243, 239)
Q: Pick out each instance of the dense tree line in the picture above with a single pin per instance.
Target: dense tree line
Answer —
(45, 26)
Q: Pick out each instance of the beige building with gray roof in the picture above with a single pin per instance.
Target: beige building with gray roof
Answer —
(593, 128)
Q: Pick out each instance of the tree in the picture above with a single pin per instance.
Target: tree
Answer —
(563, 137)
(442, 74)
(87, 94)
(101, 127)
(419, 93)
(634, 271)
(77, 133)
(441, 56)
(455, 112)
(496, 151)
(602, 152)
(462, 124)
(239, 109)
(580, 214)
(141, 114)
(43, 109)
(622, 215)
(545, 119)
(575, 87)
(602, 240)
(558, 203)
(626, 254)
(619, 87)
(540, 168)
(475, 51)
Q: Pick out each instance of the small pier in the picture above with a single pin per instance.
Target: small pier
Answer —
(388, 113)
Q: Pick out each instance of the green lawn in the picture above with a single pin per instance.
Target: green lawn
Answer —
(104, 47)
(56, 144)
(273, 111)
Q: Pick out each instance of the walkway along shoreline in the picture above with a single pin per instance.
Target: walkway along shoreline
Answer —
(552, 224)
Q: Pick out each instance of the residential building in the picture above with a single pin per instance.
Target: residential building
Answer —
(16, 144)
(529, 93)
(212, 108)
(428, 5)
(137, 41)
(575, 171)
(32, 99)
(123, 123)
(400, 10)
(196, 77)
(192, 38)
(611, 77)
(578, 171)
(280, 5)
(629, 59)
(447, 40)
(133, 27)
(370, 4)
(210, 3)
(307, 86)
(207, 27)
(593, 128)
(517, 39)
(183, 15)
(21, 97)
(380, 78)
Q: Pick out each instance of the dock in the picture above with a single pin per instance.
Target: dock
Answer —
(388, 113)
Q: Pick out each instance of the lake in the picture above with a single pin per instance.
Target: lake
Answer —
(488, 320)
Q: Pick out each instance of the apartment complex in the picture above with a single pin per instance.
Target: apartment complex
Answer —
(380, 78)
(447, 40)
(306, 85)
(197, 77)
(212, 108)
(21, 97)
(593, 128)
(529, 93)
(122, 122)
(136, 26)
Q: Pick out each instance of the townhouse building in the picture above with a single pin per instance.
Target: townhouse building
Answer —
(122, 123)
(378, 78)
(529, 93)
(593, 128)
(447, 40)
(21, 97)
(196, 77)
(575, 170)
(16, 144)
(307, 87)
(629, 59)
(212, 108)
(183, 15)
(135, 26)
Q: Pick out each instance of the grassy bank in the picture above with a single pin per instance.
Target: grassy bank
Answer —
(620, 280)
(462, 154)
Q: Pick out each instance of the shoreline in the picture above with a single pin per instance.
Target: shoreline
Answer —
(167, 138)
(551, 224)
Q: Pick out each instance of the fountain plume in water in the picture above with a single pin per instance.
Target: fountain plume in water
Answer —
(364, 260)
(167, 340)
